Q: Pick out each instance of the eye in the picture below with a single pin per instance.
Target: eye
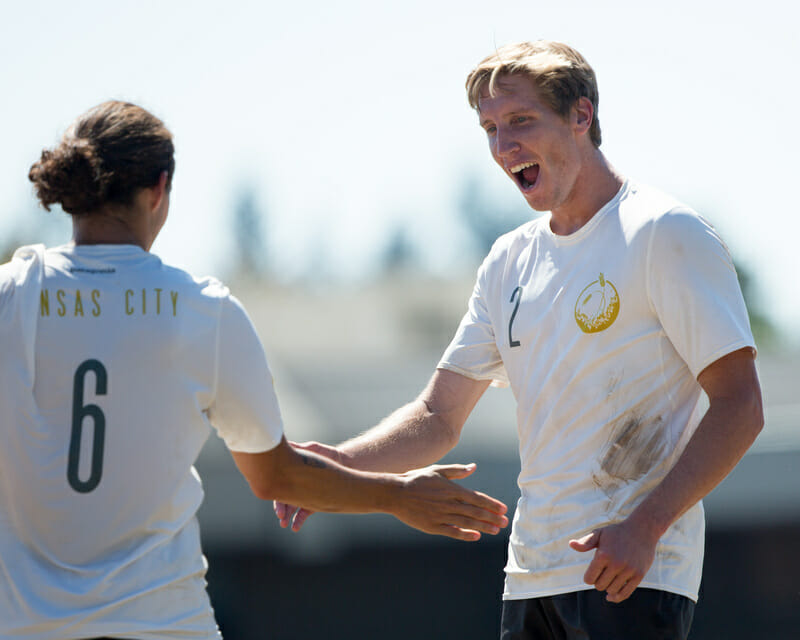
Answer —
(519, 119)
(490, 129)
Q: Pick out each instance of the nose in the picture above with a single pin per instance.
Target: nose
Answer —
(505, 143)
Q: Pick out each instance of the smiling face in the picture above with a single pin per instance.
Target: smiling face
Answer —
(540, 150)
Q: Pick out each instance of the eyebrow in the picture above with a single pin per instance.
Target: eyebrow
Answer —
(517, 112)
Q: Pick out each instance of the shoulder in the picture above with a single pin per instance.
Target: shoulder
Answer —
(24, 261)
(510, 244)
(646, 208)
(643, 205)
(205, 286)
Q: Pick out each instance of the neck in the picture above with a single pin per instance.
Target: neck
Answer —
(105, 227)
(596, 184)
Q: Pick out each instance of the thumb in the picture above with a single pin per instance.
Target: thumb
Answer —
(457, 471)
(587, 542)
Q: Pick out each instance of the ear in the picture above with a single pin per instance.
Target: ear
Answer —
(583, 115)
(159, 191)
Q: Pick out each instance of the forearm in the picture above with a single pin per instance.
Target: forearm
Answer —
(409, 438)
(325, 485)
(302, 477)
(425, 499)
(725, 433)
(419, 433)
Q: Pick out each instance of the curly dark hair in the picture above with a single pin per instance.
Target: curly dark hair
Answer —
(106, 156)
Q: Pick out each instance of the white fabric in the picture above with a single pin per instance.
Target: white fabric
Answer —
(150, 356)
(604, 410)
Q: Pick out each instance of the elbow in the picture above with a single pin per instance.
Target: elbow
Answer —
(448, 427)
(269, 488)
(264, 490)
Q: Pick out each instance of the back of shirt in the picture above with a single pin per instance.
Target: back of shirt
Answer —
(98, 495)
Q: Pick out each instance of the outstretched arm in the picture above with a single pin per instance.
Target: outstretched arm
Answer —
(415, 435)
(420, 432)
(625, 551)
(425, 499)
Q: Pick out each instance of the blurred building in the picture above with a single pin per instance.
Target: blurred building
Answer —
(344, 359)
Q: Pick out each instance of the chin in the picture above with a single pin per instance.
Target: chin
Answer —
(537, 204)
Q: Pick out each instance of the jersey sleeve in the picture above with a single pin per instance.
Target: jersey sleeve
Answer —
(693, 287)
(473, 351)
(245, 409)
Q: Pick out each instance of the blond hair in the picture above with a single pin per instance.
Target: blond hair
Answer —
(559, 72)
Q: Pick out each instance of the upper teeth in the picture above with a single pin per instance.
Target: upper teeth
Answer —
(520, 167)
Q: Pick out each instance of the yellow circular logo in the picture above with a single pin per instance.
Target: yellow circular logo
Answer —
(597, 306)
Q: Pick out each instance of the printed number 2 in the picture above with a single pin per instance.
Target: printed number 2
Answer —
(511, 341)
(79, 412)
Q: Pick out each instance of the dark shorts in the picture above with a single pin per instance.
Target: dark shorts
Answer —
(648, 614)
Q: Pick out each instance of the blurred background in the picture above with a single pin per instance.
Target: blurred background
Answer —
(331, 171)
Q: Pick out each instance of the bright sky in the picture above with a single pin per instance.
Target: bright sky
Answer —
(349, 117)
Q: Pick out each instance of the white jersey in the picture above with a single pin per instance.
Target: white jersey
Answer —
(601, 335)
(113, 367)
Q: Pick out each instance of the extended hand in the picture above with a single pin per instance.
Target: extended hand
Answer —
(432, 503)
(622, 558)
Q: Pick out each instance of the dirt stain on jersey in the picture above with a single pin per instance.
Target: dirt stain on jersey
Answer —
(636, 445)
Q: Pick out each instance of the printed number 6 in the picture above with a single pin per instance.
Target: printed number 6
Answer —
(511, 341)
(79, 412)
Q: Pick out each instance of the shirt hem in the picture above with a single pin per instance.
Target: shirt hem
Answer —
(496, 382)
(724, 351)
(693, 596)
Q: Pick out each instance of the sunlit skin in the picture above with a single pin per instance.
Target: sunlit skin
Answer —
(574, 179)
(138, 224)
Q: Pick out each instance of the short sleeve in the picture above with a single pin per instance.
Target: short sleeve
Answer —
(693, 287)
(245, 409)
(473, 351)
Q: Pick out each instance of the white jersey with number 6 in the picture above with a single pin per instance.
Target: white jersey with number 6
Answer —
(114, 365)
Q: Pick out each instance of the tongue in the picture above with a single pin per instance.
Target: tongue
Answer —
(531, 173)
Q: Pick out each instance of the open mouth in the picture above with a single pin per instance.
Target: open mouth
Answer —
(526, 174)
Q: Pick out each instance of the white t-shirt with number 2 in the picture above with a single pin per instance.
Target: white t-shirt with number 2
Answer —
(601, 335)
(114, 367)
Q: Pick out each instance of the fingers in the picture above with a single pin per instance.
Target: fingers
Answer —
(480, 517)
(290, 515)
(625, 592)
(456, 471)
(471, 523)
(299, 518)
(621, 582)
(466, 535)
(283, 512)
(586, 543)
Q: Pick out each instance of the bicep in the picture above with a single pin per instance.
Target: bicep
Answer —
(731, 384)
(732, 377)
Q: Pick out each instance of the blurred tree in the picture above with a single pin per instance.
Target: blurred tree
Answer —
(248, 220)
(488, 218)
(399, 254)
(764, 330)
(35, 225)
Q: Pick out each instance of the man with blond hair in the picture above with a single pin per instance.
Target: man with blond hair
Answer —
(609, 317)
